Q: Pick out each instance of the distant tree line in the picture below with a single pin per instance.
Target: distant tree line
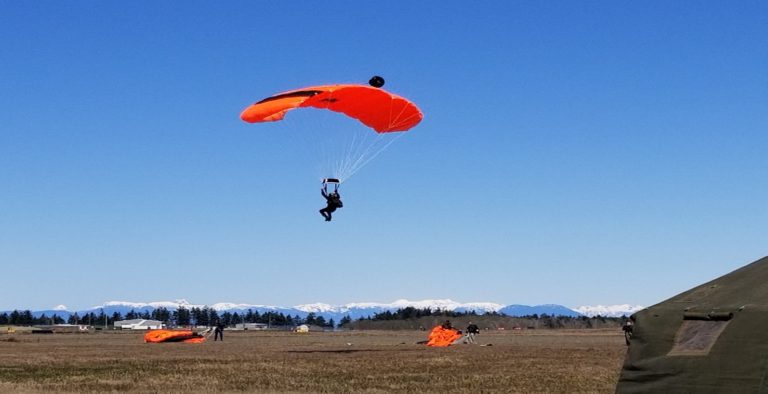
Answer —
(180, 317)
(25, 318)
(410, 317)
(206, 316)
(415, 313)
(410, 312)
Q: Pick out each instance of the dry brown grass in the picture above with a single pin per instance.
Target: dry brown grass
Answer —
(360, 362)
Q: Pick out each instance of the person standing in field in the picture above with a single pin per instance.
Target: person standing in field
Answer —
(628, 329)
(472, 330)
(218, 332)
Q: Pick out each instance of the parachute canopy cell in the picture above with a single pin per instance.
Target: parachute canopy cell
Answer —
(374, 107)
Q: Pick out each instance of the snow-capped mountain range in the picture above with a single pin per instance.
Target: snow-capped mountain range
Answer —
(609, 310)
(354, 310)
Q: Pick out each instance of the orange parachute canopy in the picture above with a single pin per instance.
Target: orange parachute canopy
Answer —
(376, 108)
(186, 336)
(442, 337)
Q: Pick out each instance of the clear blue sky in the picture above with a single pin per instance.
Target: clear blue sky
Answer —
(580, 153)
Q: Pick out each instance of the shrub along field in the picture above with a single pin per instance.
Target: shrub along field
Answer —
(585, 360)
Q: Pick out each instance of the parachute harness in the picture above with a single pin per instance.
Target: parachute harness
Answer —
(335, 182)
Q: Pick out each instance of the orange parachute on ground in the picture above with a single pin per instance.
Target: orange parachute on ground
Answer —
(442, 337)
(374, 107)
(160, 336)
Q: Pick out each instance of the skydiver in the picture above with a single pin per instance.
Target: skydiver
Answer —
(472, 330)
(628, 329)
(218, 332)
(333, 201)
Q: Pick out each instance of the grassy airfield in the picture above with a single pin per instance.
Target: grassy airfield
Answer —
(586, 360)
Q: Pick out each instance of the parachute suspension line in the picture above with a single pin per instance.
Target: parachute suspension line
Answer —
(365, 146)
(377, 152)
(325, 142)
(310, 134)
(331, 146)
(360, 142)
(352, 150)
(347, 154)
(333, 151)
(371, 151)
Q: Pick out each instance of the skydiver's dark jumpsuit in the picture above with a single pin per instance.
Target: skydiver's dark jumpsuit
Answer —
(218, 332)
(333, 201)
(472, 330)
(628, 330)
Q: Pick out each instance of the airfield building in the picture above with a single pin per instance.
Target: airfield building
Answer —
(250, 326)
(139, 324)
